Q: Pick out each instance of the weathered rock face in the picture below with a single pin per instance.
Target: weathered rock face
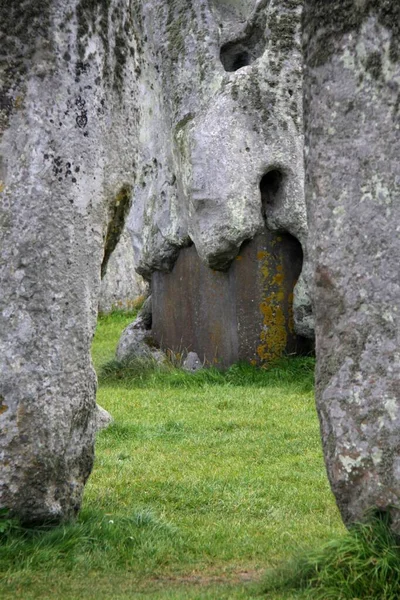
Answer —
(121, 285)
(352, 102)
(67, 146)
(193, 109)
(220, 147)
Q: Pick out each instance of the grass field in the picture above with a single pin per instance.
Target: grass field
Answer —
(202, 482)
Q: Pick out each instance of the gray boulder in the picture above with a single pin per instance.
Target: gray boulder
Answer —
(145, 315)
(68, 125)
(192, 363)
(103, 418)
(352, 54)
(137, 343)
(136, 340)
(221, 118)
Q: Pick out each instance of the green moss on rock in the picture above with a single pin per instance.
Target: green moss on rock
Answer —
(118, 212)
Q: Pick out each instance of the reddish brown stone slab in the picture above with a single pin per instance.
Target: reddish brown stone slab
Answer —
(244, 313)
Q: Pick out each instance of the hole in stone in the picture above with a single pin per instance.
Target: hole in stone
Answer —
(270, 187)
(234, 56)
(249, 43)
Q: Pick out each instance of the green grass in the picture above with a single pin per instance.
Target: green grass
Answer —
(364, 563)
(202, 482)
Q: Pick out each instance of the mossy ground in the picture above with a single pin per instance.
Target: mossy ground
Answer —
(200, 485)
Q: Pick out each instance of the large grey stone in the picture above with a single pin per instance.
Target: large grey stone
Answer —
(183, 106)
(352, 86)
(67, 144)
(135, 343)
(221, 107)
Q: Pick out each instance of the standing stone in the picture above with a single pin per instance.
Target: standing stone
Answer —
(220, 149)
(352, 110)
(67, 134)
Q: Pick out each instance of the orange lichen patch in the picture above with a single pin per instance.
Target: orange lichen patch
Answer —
(18, 102)
(273, 336)
(278, 279)
(239, 257)
(261, 254)
(3, 407)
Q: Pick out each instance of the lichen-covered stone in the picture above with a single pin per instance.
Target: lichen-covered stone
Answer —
(172, 111)
(68, 123)
(242, 314)
(221, 106)
(352, 86)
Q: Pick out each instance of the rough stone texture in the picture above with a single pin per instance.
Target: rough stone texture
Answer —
(352, 102)
(121, 286)
(103, 418)
(221, 107)
(184, 106)
(137, 340)
(67, 144)
(192, 363)
(144, 317)
(245, 313)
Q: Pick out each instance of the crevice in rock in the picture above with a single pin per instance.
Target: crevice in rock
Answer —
(271, 186)
(118, 212)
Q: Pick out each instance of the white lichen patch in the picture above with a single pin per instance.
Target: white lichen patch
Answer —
(392, 408)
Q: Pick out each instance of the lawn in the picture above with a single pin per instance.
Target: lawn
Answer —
(202, 482)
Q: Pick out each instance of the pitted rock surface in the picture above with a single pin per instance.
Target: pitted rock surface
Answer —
(183, 107)
(352, 85)
(68, 129)
(221, 107)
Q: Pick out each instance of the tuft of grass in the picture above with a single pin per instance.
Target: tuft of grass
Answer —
(146, 372)
(138, 369)
(95, 541)
(201, 482)
(362, 564)
(108, 332)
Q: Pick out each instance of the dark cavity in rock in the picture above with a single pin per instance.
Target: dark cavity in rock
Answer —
(271, 189)
(239, 53)
(119, 210)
